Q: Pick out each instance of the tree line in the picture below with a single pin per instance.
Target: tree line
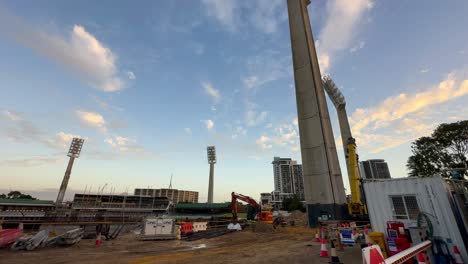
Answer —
(16, 195)
(444, 152)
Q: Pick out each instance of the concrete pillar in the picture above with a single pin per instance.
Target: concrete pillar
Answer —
(66, 178)
(211, 184)
(323, 184)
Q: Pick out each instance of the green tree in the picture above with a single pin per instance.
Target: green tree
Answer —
(17, 195)
(293, 204)
(445, 150)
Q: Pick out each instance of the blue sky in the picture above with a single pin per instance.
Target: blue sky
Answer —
(151, 84)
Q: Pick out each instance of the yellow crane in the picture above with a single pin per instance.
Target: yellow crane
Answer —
(356, 206)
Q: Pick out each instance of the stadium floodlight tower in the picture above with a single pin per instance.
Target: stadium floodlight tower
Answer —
(73, 152)
(323, 185)
(211, 151)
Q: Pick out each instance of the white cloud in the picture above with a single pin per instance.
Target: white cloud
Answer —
(92, 119)
(188, 130)
(239, 131)
(124, 145)
(266, 67)
(18, 128)
(254, 118)
(61, 140)
(404, 117)
(131, 75)
(343, 16)
(267, 15)
(357, 47)
(234, 15)
(209, 124)
(264, 142)
(285, 136)
(295, 121)
(223, 11)
(81, 53)
(211, 91)
(30, 162)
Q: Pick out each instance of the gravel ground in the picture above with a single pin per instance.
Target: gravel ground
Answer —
(285, 245)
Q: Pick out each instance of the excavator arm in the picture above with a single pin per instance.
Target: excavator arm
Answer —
(244, 198)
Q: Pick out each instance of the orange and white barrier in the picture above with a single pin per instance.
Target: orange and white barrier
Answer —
(373, 254)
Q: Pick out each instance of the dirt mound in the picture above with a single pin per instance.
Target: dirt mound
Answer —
(299, 218)
(260, 227)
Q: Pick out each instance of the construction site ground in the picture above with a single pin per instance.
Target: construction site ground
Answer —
(283, 245)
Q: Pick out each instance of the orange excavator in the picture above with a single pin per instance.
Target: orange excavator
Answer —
(262, 216)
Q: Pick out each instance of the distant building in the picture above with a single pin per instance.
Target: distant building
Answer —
(265, 199)
(122, 202)
(277, 199)
(374, 169)
(288, 178)
(176, 196)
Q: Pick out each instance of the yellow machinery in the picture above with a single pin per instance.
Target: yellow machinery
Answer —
(355, 206)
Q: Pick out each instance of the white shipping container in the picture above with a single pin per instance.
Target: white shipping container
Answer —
(402, 199)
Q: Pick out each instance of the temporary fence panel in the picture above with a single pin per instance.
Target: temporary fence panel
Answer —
(199, 226)
(402, 199)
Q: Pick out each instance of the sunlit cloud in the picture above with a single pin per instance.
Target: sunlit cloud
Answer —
(81, 53)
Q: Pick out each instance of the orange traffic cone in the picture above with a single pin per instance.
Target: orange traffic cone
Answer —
(323, 248)
(458, 259)
(317, 238)
(98, 239)
(322, 235)
(421, 259)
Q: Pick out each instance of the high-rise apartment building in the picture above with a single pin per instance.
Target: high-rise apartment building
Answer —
(288, 177)
(374, 169)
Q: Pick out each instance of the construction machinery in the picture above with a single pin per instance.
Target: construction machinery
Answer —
(356, 206)
(255, 212)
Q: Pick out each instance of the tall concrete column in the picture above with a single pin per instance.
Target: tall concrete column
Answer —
(211, 184)
(323, 184)
(63, 186)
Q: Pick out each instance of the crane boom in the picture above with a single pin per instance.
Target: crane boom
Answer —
(356, 206)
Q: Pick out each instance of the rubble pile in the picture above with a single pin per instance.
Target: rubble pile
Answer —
(299, 218)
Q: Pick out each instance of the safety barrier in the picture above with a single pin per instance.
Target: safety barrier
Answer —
(186, 227)
(373, 255)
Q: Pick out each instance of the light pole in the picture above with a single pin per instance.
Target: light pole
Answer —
(73, 152)
(211, 151)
